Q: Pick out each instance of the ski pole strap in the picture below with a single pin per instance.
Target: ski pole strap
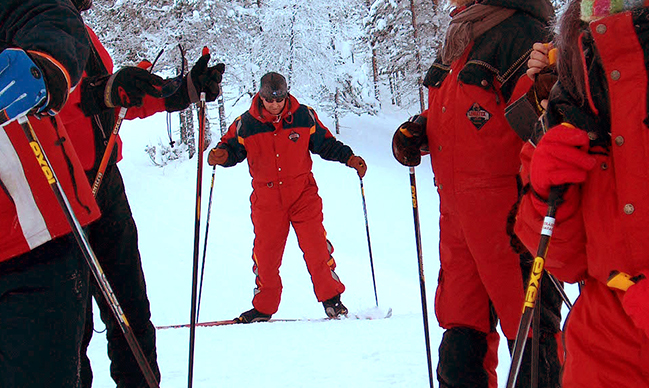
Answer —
(171, 141)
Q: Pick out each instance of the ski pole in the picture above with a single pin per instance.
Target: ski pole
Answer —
(561, 291)
(536, 337)
(171, 141)
(197, 232)
(422, 279)
(108, 151)
(113, 135)
(534, 285)
(207, 230)
(86, 249)
(209, 206)
(369, 244)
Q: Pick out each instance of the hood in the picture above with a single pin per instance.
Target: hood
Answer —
(256, 109)
(540, 9)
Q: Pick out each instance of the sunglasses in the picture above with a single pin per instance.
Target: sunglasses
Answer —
(271, 100)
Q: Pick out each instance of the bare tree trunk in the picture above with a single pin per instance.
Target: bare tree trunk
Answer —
(394, 87)
(208, 129)
(336, 109)
(392, 91)
(415, 36)
(292, 48)
(375, 66)
(187, 130)
(221, 102)
(252, 73)
(375, 72)
(397, 88)
(207, 139)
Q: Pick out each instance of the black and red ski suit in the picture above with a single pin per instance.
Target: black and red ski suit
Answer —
(43, 276)
(475, 158)
(285, 193)
(114, 236)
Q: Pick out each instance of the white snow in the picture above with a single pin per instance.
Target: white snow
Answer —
(347, 353)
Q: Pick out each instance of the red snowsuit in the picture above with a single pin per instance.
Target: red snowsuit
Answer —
(475, 172)
(285, 193)
(475, 158)
(603, 224)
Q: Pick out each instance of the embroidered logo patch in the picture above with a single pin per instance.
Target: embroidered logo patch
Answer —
(294, 136)
(478, 115)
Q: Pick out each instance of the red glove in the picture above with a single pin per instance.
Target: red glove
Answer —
(635, 299)
(217, 156)
(356, 162)
(561, 157)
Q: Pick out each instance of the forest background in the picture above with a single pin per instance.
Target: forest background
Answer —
(342, 56)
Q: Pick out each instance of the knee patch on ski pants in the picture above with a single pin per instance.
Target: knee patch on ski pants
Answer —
(463, 354)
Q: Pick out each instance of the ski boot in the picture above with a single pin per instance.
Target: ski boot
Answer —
(334, 308)
(251, 316)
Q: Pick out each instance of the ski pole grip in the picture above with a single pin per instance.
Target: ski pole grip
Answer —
(552, 56)
(555, 198)
(556, 192)
(552, 53)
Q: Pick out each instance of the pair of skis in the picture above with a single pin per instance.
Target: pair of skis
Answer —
(226, 322)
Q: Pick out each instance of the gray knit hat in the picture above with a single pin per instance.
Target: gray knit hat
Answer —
(273, 85)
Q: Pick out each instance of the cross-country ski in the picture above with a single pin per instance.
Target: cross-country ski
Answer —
(366, 316)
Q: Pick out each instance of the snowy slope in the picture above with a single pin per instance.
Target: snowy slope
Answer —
(348, 353)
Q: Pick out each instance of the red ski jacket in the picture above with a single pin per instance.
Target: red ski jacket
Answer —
(29, 212)
(607, 229)
(278, 148)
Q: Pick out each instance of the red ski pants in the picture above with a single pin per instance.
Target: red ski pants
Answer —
(478, 265)
(479, 270)
(275, 207)
(603, 347)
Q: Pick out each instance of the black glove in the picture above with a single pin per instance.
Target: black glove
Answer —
(126, 88)
(200, 79)
(408, 140)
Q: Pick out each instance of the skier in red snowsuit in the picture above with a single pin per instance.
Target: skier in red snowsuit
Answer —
(597, 144)
(114, 236)
(277, 135)
(475, 158)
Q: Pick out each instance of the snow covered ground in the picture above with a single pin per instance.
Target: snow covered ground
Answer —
(347, 353)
